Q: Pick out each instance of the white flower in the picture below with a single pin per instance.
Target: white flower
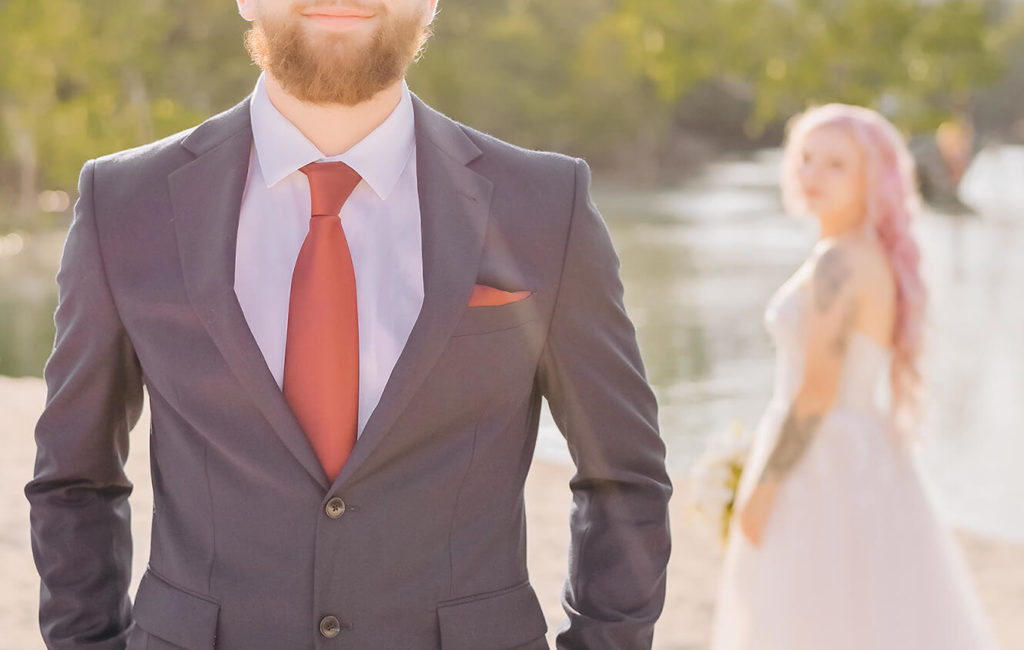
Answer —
(714, 479)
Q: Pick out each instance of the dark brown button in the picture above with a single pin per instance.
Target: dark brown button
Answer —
(330, 626)
(335, 508)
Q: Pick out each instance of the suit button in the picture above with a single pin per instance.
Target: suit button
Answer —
(330, 626)
(335, 508)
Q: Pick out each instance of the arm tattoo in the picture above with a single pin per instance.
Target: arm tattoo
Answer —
(831, 274)
(794, 439)
(842, 338)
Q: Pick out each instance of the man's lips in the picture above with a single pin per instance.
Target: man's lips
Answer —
(337, 17)
(331, 12)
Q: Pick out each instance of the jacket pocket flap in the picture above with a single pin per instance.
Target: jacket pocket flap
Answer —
(503, 619)
(177, 616)
(481, 320)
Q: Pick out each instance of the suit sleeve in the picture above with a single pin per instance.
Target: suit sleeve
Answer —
(81, 537)
(593, 378)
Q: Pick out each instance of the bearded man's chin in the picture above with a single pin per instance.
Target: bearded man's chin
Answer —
(335, 68)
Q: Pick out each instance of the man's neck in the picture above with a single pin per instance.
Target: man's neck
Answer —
(334, 128)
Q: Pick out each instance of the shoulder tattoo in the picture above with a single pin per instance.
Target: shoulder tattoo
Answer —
(832, 272)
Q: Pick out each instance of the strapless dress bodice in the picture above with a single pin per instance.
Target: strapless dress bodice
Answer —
(864, 381)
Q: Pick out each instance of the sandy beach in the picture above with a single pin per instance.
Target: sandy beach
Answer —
(997, 566)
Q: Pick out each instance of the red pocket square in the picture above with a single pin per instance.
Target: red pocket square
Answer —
(484, 296)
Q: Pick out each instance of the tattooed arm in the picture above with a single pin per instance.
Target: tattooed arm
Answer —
(829, 324)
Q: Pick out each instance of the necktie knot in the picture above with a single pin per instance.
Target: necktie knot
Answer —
(330, 184)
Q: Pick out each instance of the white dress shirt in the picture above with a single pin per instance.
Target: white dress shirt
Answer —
(381, 220)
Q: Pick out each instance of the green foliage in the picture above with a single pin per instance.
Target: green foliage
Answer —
(84, 79)
(601, 78)
(917, 60)
(510, 68)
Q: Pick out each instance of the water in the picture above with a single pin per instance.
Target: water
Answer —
(698, 264)
(28, 296)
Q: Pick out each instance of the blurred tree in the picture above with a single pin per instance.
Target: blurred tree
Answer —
(599, 78)
(508, 67)
(998, 109)
(89, 78)
(915, 60)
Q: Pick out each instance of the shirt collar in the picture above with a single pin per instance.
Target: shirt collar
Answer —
(379, 158)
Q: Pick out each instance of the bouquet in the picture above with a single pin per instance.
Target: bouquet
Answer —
(714, 480)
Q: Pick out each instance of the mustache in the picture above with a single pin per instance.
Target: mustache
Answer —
(356, 5)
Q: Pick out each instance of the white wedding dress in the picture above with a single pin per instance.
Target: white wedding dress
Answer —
(854, 555)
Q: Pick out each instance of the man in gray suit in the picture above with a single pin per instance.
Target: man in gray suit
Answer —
(343, 411)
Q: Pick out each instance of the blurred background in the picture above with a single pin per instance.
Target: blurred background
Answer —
(680, 107)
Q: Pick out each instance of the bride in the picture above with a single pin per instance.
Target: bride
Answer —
(836, 544)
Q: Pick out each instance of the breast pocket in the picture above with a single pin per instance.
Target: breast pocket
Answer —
(490, 359)
(482, 320)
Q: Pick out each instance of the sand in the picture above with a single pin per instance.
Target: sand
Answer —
(997, 566)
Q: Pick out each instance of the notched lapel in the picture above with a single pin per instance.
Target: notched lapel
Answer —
(207, 195)
(454, 209)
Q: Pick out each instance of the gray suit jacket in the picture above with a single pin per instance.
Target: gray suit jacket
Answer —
(420, 542)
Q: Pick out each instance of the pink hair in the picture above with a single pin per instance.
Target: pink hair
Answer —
(891, 203)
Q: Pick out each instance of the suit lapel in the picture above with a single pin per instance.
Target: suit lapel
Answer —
(206, 195)
(454, 207)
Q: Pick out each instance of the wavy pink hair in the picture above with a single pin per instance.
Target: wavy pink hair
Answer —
(891, 203)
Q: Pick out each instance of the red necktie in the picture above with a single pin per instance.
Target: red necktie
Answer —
(321, 363)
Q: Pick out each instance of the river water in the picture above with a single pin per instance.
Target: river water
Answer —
(698, 263)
